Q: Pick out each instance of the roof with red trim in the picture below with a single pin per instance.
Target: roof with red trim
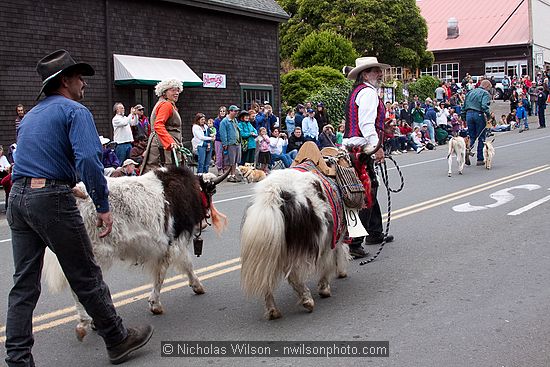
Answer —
(481, 23)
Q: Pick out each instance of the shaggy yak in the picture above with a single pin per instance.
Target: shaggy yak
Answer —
(155, 216)
(294, 228)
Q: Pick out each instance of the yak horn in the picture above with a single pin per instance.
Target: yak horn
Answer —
(219, 179)
(380, 141)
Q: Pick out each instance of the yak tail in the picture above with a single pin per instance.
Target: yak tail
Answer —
(219, 220)
(52, 273)
(263, 248)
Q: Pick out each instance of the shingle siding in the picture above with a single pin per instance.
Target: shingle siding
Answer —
(243, 48)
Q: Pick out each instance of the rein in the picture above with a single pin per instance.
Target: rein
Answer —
(382, 167)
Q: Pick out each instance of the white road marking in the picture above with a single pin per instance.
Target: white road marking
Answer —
(501, 197)
(530, 206)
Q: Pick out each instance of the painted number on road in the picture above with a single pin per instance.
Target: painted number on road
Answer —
(502, 197)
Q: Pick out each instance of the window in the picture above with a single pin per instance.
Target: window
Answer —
(143, 96)
(393, 73)
(432, 71)
(449, 71)
(259, 93)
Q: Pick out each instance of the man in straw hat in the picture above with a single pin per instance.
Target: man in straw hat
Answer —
(59, 145)
(365, 113)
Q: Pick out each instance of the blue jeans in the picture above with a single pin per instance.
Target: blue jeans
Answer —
(476, 130)
(122, 151)
(43, 217)
(285, 158)
(204, 157)
(431, 130)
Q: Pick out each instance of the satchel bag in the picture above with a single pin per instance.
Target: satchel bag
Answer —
(353, 192)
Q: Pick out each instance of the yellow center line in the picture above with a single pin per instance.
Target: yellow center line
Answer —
(125, 293)
(405, 211)
(65, 320)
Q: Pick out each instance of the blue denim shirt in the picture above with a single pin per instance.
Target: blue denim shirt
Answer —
(228, 132)
(58, 140)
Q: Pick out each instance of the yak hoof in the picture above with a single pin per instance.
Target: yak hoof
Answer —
(81, 331)
(342, 275)
(308, 304)
(197, 288)
(156, 308)
(273, 314)
(325, 292)
(449, 174)
(459, 172)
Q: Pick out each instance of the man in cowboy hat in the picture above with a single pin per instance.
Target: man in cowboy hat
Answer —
(365, 113)
(59, 145)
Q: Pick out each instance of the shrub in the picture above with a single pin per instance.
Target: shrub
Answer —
(424, 86)
(334, 98)
(324, 48)
(297, 85)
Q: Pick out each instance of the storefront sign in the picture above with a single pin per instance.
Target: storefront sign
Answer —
(213, 80)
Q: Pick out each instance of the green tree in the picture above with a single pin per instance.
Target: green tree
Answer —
(297, 85)
(392, 30)
(324, 48)
(424, 87)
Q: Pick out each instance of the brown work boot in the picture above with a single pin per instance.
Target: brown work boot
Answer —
(137, 338)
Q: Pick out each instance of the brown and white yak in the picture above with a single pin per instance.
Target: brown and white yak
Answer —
(292, 230)
(155, 216)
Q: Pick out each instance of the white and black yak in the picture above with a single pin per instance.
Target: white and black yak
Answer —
(155, 216)
(293, 229)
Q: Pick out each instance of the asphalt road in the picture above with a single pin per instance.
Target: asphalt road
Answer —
(462, 285)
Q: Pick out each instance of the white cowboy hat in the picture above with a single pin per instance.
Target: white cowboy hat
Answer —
(363, 63)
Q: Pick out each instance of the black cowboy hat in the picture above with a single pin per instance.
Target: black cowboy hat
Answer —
(52, 65)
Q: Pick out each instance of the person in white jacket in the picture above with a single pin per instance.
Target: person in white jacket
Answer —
(122, 126)
(202, 143)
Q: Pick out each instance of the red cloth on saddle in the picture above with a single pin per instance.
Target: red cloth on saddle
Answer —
(361, 170)
(332, 192)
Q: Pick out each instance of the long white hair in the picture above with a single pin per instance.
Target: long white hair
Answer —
(164, 85)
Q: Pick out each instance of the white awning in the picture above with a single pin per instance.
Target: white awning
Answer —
(137, 70)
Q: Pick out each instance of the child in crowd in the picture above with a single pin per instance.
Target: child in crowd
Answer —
(212, 132)
(521, 114)
(264, 156)
(340, 134)
(512, 120)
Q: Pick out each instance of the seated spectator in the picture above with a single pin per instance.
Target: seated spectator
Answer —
(327, 138)
(110, 158)
(128, 169)
(400, 140)
(512, 120)
(295, 141)
(277, 145)
(502, 125)
(138, 150)
(416, 140)
(264, 155)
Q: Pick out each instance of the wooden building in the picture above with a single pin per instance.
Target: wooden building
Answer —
(230, 45)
